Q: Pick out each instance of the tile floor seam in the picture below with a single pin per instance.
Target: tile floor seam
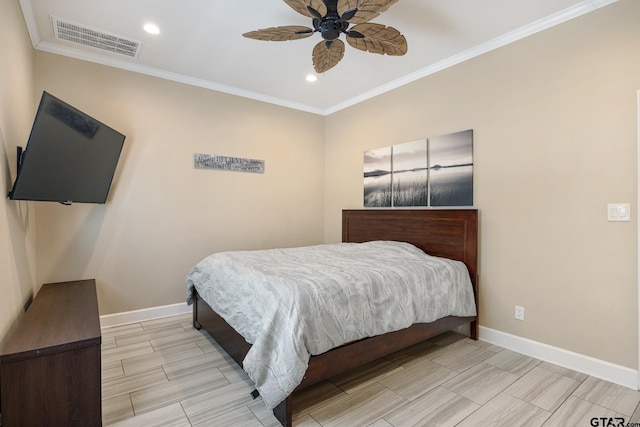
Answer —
(505, 370)
(406, 401)
(185, 413)
(540, 407)
(560, 405)
(580, 381)
(470, 414)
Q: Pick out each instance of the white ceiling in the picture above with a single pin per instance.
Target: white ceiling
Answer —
(201, 43)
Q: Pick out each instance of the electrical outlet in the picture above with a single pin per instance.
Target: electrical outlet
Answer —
(519, 312)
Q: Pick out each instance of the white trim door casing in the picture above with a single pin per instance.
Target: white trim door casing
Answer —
(638, 226)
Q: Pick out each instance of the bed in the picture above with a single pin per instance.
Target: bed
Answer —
(443, 233)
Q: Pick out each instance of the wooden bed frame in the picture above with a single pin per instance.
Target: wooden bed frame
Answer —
(450, 233)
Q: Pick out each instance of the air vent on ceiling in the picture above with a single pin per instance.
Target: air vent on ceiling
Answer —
(99, 39)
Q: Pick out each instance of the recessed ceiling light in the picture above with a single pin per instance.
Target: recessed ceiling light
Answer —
(311, 78)
(152, 28)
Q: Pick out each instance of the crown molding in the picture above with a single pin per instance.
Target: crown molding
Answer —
(498, 42)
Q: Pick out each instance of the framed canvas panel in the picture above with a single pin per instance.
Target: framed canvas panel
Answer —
(451, 169)
(409, 177)
(377, 178)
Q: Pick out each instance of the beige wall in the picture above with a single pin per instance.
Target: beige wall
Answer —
(554, 120)
(163, 215)
(17, 242)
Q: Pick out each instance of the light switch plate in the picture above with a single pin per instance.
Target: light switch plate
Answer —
(619, 212)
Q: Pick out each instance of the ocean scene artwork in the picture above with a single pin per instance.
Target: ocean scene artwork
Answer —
(451, 169)
(410, 173)
(437, 171)
(377, 178)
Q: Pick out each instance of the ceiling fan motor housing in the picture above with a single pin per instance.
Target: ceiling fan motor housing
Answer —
(331, 27)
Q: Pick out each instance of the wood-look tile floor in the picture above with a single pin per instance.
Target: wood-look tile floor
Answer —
(165, 373)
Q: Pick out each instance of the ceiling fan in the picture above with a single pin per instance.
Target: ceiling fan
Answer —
(331, 18)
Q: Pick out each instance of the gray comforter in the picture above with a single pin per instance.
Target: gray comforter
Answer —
(293, 303)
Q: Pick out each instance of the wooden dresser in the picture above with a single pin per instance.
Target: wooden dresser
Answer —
(50, 371)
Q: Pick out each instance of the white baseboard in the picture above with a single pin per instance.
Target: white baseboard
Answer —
(145, 314)
(578, 362)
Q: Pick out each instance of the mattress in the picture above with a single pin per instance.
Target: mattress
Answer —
(296, 302)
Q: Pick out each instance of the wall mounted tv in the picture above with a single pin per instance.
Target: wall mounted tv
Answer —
(70, 156)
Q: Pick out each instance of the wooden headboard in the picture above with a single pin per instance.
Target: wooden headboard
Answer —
(449, 233)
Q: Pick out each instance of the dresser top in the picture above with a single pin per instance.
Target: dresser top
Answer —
(63, 316)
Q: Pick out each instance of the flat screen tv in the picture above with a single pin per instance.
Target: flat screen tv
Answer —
(70, 156)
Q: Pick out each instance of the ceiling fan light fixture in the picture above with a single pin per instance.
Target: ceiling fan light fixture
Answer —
(311, 78)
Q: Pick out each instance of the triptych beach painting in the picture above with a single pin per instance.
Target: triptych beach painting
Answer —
(437, 171)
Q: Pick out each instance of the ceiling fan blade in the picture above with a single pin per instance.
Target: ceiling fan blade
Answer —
(302, 7)
(278, 34)
(314, 13)
(366, 9)
(327, 54)
(349, 14)
(378, 39)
